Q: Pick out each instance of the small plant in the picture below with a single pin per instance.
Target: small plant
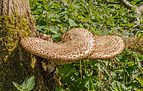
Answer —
(27, 85)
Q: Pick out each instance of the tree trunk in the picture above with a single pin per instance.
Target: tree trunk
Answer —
(16, 22)
(16, 64)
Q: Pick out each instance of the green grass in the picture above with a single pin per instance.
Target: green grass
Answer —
(123, 73)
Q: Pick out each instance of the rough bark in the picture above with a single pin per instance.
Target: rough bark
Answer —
(16, 22)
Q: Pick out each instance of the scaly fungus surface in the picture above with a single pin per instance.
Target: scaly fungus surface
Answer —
(76, 44)
(107, 46)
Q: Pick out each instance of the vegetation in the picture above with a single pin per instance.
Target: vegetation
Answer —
(27, 85)
(122, 73)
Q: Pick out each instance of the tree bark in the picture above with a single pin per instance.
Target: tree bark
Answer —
(16, 22)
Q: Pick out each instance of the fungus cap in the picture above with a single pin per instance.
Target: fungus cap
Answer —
(107, 46)
(76, 44)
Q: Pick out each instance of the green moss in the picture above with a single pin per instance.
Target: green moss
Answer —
(12, 28)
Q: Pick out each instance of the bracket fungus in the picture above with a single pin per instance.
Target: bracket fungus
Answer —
(107, 46)
(76, 44)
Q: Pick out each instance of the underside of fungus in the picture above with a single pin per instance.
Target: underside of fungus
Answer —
(76, 44)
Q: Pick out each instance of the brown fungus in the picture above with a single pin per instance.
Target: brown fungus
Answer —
(76, 44)
(107, 46)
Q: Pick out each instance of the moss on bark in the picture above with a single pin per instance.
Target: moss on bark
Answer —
(12, 28)
(14, 61)
(17, 22)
